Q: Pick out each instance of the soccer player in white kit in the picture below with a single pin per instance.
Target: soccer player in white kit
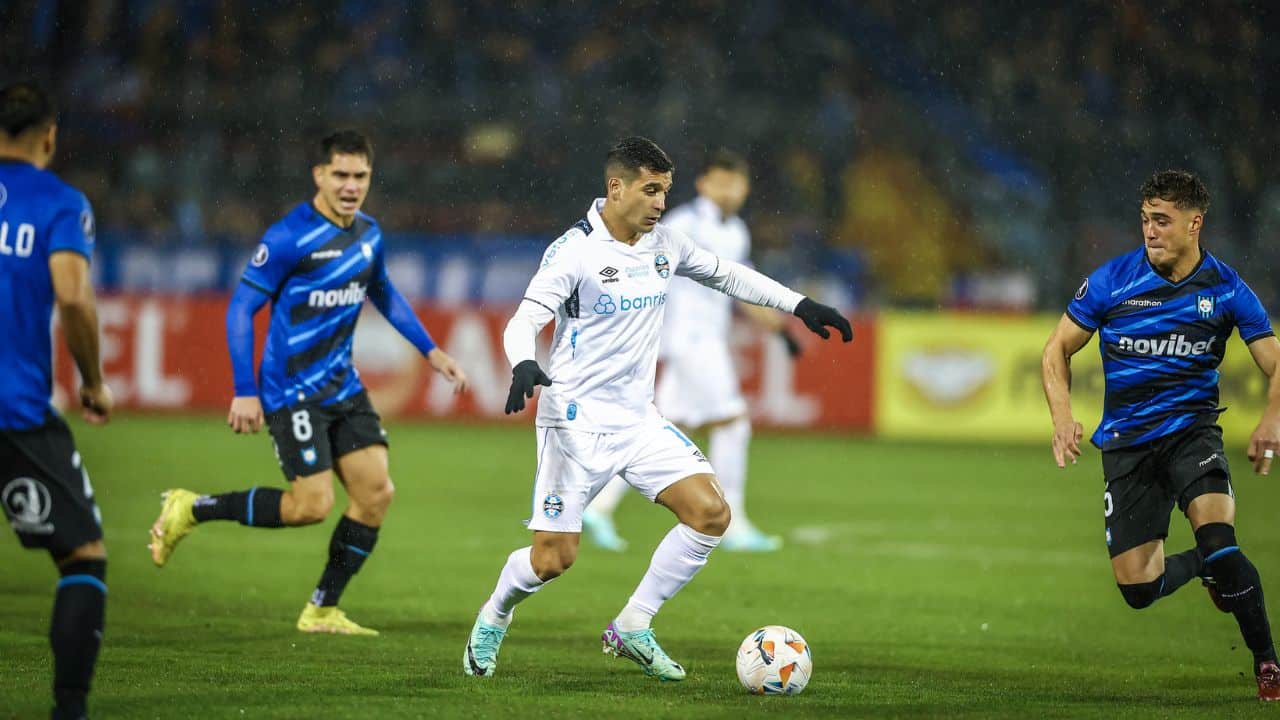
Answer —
(698, 386)
(605, 283)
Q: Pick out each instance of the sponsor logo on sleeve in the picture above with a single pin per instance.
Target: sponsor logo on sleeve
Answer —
(260, 255)
(1084, 289)
(87, 225)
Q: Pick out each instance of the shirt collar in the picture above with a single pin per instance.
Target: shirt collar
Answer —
(598, 229)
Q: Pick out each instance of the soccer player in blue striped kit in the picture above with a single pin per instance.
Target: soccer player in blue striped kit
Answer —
(1164, 313)
(46, 241)
(316, 266)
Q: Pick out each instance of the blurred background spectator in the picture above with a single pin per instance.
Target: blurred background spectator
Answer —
(919, 154)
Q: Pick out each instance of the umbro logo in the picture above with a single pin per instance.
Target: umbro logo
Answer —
(610, 274)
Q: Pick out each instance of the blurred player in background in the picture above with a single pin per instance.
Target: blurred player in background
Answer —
(605, 284)
(316, 266)
(1164, 314)
(698, 386)
(46, 242)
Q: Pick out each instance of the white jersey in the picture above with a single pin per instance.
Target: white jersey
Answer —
(697, 314)
(607, 298)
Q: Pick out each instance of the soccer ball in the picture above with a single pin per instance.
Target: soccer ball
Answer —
(774, 660)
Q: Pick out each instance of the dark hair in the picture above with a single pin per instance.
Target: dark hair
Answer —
(25, 106)
(1179, 187)
(724, 159)
(630, 154)
(342, 142)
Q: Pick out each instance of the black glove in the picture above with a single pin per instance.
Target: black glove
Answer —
(793, 345)
(816, 316)
(525, 376)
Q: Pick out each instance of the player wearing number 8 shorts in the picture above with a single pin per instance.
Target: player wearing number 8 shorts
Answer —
(1164, 314)
(316, 266)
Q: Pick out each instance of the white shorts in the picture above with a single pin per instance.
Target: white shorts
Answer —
(700, 386)
(573, 466)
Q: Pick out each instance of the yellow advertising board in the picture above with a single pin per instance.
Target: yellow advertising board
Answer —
(977, 377)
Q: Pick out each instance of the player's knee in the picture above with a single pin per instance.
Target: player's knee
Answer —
(383, 495)
(710, 515)
(1142, 595)
(311, 508)
(552, 562)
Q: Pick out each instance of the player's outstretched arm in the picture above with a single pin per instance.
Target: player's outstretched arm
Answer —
(397, 310)
(1265, 441)
(741, 282)
(245, 415)
(78, 314)
(1055, 373)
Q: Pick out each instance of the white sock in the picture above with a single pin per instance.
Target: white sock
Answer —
(679, 557)
(729, 457)
(516, 582)
(609, 496)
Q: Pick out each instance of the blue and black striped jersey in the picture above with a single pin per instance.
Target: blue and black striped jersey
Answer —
(39, 215)
(317, 275)
(1162, 342)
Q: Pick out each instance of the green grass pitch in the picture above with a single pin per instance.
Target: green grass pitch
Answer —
(932, 581)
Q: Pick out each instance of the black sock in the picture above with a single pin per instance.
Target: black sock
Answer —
(255, 507)
(1237, 583)
(1180, 568)
(75, 634)
(351, 543)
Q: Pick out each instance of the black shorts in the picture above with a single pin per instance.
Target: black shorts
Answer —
(309, 436)
(45, 489)
(1146, 481)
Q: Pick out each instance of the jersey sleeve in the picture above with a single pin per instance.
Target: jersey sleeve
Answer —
(559, 274)
(1089, 306)
(1251, 318)
(72, 228)
(692, 261)
(271, 263)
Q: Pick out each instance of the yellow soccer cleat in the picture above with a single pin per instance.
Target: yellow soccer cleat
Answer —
(317, 619)
(174, 523)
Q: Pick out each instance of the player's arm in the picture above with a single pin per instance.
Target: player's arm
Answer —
(1055, 372)
(397, 310)
(267, 272)
(1265, 441)
(245, 415)
(551, 287)
(78, 315)
(1255, 329)
(741, 282)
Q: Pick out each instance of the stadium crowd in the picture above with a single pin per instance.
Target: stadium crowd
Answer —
(871, 127)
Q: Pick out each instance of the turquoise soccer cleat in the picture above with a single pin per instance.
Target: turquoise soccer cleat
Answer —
(481, 656)
(642, 648)
(600, 531)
